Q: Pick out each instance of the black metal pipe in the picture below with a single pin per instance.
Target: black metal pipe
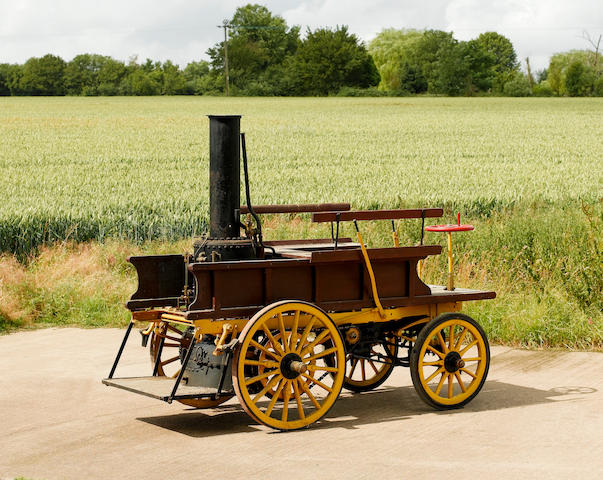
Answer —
(182, 368)
(121, 349)
(224, 175)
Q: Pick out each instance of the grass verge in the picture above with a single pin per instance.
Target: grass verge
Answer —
(544, 264)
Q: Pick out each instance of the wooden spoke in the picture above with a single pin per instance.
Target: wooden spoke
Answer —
(324, 353)
(304, 335)
(353, 367)
(433, 364)
(293, 337)
(373, 366)
(472, 344)
(281, 326)
(172, 345)
(281, 384)
(286, 396)
(474, 359)
(317, 382)
(262, 363)
(460, 339)
(305, 388)
(442, 342)
(450, 385)
(169, 360)
(461, 384)
(437, 352)
(362, 370)
(441, 384)
(434, 374)
(267, 387)
(313, 368)
(468, 372)
(300, 407)
(451, 339)
(261, 376)
(264, 349)
(317, 340)
(273, 341)
(174, 329)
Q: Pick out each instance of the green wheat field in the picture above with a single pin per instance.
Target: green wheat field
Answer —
(99, 178)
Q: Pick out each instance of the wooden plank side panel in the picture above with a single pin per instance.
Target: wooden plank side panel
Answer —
(292, 283)
(339, 281)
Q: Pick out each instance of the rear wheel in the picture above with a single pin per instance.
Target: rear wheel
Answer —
(450, 361)
(293, 379)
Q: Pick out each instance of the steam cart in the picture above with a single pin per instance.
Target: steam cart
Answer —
(285, 325)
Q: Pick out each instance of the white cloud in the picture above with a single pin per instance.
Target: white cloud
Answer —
(182, 30)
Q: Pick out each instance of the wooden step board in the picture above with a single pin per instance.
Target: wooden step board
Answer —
(161, 388)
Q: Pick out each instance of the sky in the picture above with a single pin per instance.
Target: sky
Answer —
(182, 30)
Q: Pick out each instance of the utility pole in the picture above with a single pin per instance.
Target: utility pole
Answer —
(225, 25)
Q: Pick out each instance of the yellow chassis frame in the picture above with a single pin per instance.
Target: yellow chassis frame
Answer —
(367, 315)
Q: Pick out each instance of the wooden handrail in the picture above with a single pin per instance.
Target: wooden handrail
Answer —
(377, 215)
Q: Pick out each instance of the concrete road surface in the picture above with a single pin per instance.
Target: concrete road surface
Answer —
(540, 415)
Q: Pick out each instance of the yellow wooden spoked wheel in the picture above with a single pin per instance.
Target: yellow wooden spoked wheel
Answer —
(297, 385)
(450, 360)
(176, 339)
(372, 368)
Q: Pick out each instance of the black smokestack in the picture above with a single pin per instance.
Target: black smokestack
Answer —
(224, 175)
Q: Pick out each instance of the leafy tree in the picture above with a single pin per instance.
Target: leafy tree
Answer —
(4, 79)
(330, 59)
(259, 41)
(579, 79)
(173, 79)
(504, 56)
(140, 82)
(558, 69)
(43, 76)
(480, 63)
(442, 61)
(394, 53)
(110, 75)
(201, 80)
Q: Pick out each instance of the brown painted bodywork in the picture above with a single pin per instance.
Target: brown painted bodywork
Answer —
(334, 280)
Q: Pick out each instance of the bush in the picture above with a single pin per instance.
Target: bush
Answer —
(598, 89)
(518, 86)
(543, 89)
(369, 92)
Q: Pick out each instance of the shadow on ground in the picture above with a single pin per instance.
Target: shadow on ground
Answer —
(385, 404)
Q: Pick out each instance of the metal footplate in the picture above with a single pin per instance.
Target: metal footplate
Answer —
(162, 388)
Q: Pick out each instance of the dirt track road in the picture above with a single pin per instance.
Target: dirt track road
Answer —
(540, 415)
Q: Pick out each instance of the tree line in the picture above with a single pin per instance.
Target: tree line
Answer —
(266, 57)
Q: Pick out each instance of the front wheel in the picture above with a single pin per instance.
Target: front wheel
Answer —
(450, 360)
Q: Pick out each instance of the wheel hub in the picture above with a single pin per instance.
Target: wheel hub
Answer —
(453, 362)
(292, 366)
